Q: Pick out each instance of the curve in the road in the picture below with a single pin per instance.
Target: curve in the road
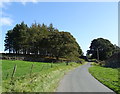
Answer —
(80, 80)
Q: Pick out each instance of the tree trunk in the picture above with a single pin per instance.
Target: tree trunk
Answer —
(57, 57)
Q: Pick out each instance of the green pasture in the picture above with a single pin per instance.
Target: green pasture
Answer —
(45, 76)
(108, 76)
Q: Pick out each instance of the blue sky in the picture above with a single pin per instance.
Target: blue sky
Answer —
(84, 20)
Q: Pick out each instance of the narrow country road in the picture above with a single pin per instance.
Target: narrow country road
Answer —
(80, 80)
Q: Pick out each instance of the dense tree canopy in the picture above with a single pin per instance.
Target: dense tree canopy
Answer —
(41, 40)
(101, 49)
(117, 49)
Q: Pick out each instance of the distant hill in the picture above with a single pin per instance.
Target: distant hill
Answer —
(113, 61)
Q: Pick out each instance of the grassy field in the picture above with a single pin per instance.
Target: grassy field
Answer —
(45, 76)
(108, 76)
(23, 67)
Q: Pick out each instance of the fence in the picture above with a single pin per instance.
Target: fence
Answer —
(12, 80)
(13, 73)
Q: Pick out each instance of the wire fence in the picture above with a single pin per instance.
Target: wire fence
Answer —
(11, 74)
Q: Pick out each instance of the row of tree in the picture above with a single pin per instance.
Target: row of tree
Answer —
(41, 40)
(102, 49)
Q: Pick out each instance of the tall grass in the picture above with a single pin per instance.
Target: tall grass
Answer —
(44, 77)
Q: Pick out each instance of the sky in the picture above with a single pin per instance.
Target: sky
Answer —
(84, 20)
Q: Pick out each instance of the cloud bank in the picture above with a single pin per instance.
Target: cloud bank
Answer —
(4, 4)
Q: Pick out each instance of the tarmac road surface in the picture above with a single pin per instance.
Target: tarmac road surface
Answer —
(80, 80)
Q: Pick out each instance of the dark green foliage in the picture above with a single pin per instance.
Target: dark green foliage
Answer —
(101, 49)
(117, 49)
(16, 38)
(9, 41)
(62, 44)
(113, 61)
(41, 40)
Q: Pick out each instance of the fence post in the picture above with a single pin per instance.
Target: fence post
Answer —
(42, 68)
(51, 64)
(31, 70)
(66, 62)
(14, 70)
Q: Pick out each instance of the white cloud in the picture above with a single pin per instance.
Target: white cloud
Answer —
(2, 51)
(5, 21)
(25, 1)
(4, 2)
(1, 4)
(35, 1)
(8, 21)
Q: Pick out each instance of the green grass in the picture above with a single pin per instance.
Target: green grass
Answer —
(43, 78)
(107, 76)
(23, 67)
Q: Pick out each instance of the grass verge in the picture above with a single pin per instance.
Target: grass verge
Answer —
(107, 76)
(45, 76)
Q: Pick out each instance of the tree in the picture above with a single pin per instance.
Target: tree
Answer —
(42, 40)
(33, 37)
(16, 38)
(62, 44)
(101, 49)
(117, 49)
(20, 37)
(9, 41)
(51, 28)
